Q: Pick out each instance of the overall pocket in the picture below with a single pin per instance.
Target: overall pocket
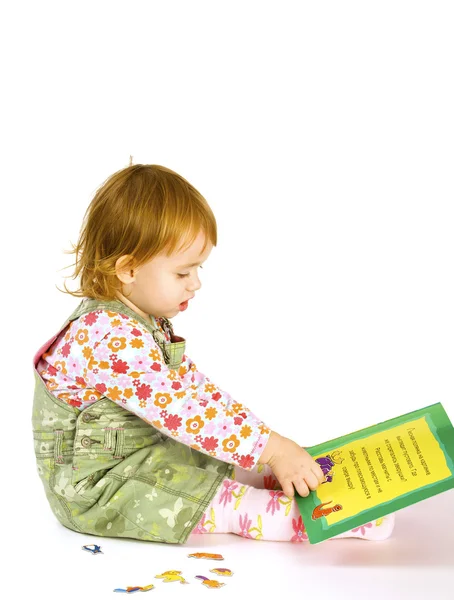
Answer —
(106, 434)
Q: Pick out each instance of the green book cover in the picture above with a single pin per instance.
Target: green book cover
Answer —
(378, 470)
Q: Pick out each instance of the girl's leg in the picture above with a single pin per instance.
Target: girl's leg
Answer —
(261, 477)
(264, 514)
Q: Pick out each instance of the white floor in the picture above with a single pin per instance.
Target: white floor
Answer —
(417, 562)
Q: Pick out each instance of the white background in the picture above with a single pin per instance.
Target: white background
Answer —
(321, 134)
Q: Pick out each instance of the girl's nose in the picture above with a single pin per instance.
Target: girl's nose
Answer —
(194, 284)
(193, 288)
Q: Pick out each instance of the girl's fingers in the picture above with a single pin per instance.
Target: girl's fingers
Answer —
(286, 486)
(317, 470)
(301, 487)
(319, 474)
(288, 490)
(312, 481)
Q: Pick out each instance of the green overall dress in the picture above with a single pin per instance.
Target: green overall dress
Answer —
(109, 473)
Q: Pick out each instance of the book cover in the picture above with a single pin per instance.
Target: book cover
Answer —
(378, 470)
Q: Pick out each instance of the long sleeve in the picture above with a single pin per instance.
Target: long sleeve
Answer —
(127, 366)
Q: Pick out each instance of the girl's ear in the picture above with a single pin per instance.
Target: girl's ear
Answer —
(123, 268)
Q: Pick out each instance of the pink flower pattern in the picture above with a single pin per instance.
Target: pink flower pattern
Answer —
(269, 482)
(227, 491)
(273, 504)
(362, 528)
(300, 531)
(245, 525)
(200, 528)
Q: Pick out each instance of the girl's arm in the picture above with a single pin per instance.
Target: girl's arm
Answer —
(127, 366)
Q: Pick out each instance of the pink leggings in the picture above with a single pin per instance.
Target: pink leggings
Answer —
(253, 505)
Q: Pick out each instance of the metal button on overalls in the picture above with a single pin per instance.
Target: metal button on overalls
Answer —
(88, 442)
(87, 417)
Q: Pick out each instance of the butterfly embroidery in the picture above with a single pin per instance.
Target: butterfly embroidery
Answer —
(153, 494)
(170, 515)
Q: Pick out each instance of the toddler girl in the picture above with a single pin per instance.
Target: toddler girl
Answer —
(131, 439)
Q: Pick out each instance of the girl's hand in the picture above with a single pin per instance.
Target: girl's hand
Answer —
(292, 465)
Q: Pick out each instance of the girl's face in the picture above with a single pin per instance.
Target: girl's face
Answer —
(160, 286)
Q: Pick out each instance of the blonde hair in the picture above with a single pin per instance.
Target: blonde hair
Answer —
(142, 211)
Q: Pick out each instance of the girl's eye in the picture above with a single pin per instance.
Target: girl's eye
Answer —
(181, 275)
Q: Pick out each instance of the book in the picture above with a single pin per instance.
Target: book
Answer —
(378, 470)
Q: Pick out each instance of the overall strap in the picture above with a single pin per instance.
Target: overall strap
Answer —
(172, 351)
(92, 304)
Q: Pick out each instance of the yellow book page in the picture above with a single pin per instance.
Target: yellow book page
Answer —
(379, 468)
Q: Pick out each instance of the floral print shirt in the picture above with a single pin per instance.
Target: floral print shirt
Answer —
(105, 353)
